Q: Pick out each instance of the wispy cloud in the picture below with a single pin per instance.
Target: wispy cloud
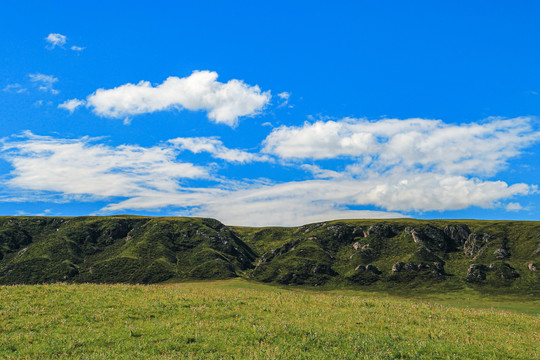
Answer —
(294, 203)
(215, 147)
(320, 173)
(298, 202)
(77, 48)
(44, 82)
(59, 40)
(55, 39)
(14, 88)
(284, 96)
(79, 166)
(224, 102)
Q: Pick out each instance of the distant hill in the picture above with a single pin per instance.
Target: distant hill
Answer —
(396, 254)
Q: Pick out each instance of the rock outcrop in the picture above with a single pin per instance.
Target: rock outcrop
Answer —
(475, 242)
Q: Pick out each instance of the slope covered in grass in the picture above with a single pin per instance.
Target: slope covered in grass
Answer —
(397, 255)
(118, 249)
(236, 319)
(400, 254)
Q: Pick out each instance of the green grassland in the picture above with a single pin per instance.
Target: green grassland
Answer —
(344, 289)
(246, 320)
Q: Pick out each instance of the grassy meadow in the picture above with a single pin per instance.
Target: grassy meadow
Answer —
(245, 320)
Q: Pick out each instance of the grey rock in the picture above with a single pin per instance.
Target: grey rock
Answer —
(458, 233)
(431, 237)
(476, 272)
(501, 253)
(397, 267)
(410, 267)
(383, 231)
(475, 242)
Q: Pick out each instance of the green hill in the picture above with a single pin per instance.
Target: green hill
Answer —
(395, 254)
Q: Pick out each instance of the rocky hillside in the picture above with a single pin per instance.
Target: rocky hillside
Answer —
(378, 254)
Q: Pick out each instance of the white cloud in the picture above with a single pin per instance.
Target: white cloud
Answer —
(77, 166)
(77, 48)
(216, 148)
(224, 102)
(284, 96)
(514, 206)
(295, 203)
(475, 148)
(14, 88)
(71, 105)
(55, 39)
(322, 173)
(393, 176)
(44, 82)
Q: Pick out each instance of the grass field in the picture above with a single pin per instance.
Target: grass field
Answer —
(244, 320)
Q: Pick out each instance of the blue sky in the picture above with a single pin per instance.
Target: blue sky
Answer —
(270, 114)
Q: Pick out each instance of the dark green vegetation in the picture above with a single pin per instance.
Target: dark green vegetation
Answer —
(236, 319)
(373, 254)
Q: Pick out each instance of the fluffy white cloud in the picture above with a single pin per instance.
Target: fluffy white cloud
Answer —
(216, 148)
(398, 182)
(55, 39)
(71, 105)
(44, 82)
(475, 148)
(77, 166)
(224, 102)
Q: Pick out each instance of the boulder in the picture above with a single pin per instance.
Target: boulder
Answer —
(342, 233)
(410, 267)
(501, 253)
(382, 231)
(431, 237)
(476, 272)
(474, 243)
(397, 267)
(458, 233)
